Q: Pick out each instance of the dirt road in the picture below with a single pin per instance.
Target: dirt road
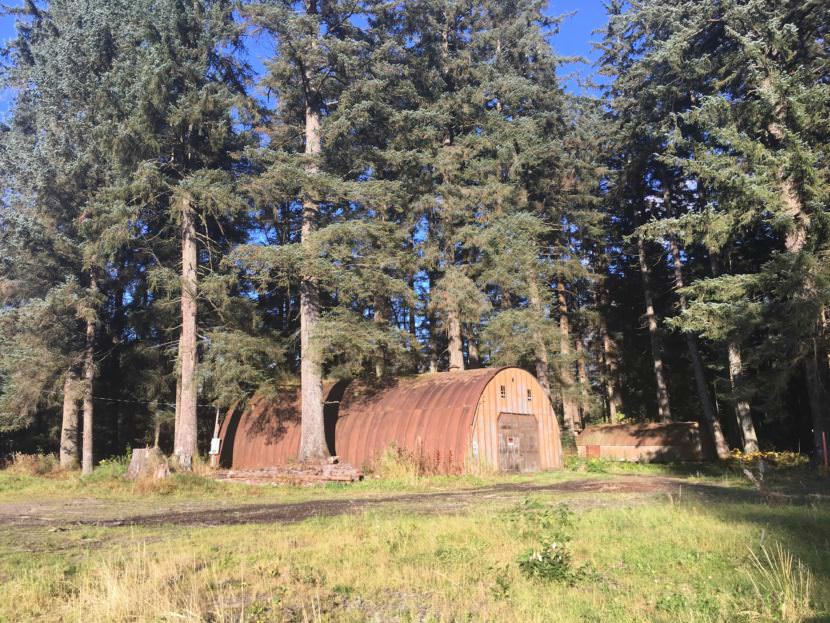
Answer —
(584, 492)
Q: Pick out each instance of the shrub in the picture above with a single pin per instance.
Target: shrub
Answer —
(550, 563)
(779, 460)
(108, 469)
(532, 518)
(551, 527)
(33, 464)
(593, 465)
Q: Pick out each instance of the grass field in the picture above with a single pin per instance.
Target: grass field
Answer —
(593, 543)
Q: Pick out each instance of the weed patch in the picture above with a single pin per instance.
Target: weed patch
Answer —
(783, 584)
(551, 563)
(33, 464)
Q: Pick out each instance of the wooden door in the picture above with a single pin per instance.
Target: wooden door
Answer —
(518, 442)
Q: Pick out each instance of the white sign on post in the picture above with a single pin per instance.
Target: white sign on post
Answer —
(214, 445)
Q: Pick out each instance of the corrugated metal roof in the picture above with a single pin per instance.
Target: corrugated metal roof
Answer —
(432, 413)
(266, 433)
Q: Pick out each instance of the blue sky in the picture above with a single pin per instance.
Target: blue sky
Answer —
(574, 39)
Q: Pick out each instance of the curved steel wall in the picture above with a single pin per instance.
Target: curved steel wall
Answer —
(266, 433)
(431, 415)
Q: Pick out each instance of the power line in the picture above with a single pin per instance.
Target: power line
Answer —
(145, 402)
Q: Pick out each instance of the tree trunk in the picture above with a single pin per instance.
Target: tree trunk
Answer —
(816, 399)
(540, 350)
(455, 346)
(582, 376)
(609, 363)
(379, 318)
(176, 427)
(663, 407)
(313, 433)
(156, 431)
(607, 350)
(721, 447)
(742, 410)
(794, 241)
(433, 337)
(185, 447)
(70, 456)
(88, 379)
(412, 328)
(473, 357)
(569, 406)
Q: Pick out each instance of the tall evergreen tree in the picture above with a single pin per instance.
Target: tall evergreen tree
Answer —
(180, 176)
(56, 164)
(732, 90)
(341, 255)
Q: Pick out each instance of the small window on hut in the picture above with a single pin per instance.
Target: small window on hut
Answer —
(502, 392)
(529, 395)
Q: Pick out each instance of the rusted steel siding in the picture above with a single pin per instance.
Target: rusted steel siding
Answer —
(430, 415)
(267, 432)
(434, 416)
(676, 441)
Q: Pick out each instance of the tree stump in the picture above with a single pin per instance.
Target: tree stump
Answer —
(148, 463)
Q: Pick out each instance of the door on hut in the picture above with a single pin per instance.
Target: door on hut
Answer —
(518, 442)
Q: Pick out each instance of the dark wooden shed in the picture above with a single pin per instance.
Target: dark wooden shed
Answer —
(649, 442)
(498, 418)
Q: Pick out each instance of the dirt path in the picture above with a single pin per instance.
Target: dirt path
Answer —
(95, 512)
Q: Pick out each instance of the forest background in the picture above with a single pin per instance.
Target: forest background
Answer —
(205, 200)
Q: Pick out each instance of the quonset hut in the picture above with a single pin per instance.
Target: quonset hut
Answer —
(499, 418)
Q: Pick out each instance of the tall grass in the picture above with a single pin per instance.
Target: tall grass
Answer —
(137, 585)
(33, 464)
(652, 561)
(402, 466)
(782, 583)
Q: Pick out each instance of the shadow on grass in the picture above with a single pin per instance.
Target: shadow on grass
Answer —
(794, 480)
(805, 534)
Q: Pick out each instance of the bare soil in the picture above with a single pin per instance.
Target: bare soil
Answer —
(584, 492)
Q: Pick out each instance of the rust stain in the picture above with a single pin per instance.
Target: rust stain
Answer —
(647, 441)
(431, 415)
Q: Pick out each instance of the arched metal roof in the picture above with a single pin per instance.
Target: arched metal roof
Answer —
(432, 413)
(266, 433)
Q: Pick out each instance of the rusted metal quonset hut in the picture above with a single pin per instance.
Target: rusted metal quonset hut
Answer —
(675, 441)
(497, 417)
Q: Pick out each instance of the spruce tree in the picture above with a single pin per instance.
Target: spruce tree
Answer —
(179, 173)
(731, 89)
(342, 254)
(56, 164)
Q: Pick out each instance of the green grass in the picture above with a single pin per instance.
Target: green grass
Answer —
(659, 562)
(653, 558)
(108, 483)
